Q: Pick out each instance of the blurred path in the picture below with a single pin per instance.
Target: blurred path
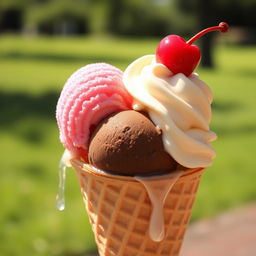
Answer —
(230, 234)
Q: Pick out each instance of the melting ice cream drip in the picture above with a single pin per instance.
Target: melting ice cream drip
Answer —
(64, 163)
(158, 189)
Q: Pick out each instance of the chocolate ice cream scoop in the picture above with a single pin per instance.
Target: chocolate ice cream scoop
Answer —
(129, 143)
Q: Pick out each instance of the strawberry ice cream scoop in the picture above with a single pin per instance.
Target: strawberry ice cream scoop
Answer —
(89, 95)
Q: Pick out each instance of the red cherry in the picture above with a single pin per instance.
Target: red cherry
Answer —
(181, 56)
(177, 55)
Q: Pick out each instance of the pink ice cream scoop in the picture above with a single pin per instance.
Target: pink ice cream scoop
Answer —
(89, 95)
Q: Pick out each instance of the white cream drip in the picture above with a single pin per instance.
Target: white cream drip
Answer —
(64, 163)
(158, 187)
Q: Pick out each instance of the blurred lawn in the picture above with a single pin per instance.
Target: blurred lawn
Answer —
(33, 71)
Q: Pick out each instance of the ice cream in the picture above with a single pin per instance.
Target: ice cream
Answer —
(89, 95)
(128, 142)
(179, 107)
(139, 142)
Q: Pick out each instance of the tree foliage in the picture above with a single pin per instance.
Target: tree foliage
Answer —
(128, 17)
(59, 16)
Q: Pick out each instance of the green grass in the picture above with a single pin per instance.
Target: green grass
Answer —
(33, 71)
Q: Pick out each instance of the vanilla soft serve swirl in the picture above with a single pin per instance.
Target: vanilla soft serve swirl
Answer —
(179, 105)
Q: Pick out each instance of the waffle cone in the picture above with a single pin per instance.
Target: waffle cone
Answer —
(119, 210)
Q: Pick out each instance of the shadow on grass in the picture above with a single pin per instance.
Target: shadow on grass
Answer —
(27, 116)
(249, 72)
(18, 106)
(63, 58)
(246, 129)
(226, 106)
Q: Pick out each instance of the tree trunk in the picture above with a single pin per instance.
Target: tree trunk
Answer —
(206, 18)
(207, 51)
(115, 8)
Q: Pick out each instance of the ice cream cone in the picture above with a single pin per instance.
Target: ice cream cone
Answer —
(119, 210)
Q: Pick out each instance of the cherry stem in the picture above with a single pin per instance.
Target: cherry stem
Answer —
(223, 28)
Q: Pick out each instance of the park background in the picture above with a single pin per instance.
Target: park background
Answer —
(43, 42)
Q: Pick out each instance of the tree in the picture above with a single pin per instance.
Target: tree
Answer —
(135, 18)
(115, 10)
(12, 14)
(207, 17)
(58, 17)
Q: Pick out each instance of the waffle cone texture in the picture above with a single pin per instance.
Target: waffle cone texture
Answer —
(119, 210)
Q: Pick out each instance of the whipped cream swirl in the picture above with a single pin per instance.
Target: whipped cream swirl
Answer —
(180, 106)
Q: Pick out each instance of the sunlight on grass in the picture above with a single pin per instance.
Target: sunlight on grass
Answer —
(44, 64)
